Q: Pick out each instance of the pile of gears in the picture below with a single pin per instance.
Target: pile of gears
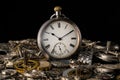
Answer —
(59, 53)
(23, 60)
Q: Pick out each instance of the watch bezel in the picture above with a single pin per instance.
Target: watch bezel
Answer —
(46, 24)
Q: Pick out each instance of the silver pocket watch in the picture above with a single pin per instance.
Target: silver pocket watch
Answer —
(59, 37)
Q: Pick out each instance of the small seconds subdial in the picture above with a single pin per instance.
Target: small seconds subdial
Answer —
(59, 49)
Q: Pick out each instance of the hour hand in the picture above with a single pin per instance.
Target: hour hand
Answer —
(56, 36)
(52, 34)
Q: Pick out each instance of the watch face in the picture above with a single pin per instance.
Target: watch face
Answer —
(59, 38)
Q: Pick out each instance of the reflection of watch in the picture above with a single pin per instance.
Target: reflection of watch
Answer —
(61, 31)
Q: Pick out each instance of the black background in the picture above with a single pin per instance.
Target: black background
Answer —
(96, 20)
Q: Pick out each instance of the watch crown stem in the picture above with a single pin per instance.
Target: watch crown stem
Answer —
(57, 8)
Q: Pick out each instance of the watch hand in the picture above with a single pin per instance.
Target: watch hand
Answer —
(56, 36)
(60, 49)
(67, 33)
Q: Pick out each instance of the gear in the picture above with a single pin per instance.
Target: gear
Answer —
(81, 72)
(21, 67)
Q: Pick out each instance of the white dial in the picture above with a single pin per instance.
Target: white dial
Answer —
(59, 38)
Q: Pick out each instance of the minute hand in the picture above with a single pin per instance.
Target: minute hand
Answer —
(67, 34)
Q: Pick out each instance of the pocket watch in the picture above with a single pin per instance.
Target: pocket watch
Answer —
(59, 37)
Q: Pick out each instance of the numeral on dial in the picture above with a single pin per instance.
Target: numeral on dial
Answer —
(58, 25)
(72, 45)
(45, 39)
(47, 46)
(51, 27)
(66, 26)
(73, 38)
